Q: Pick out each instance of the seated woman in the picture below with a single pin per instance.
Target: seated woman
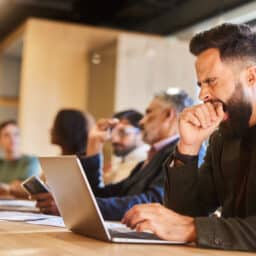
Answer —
(70, 131)
(14, 166)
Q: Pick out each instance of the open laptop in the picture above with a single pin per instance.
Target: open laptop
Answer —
(78, 206)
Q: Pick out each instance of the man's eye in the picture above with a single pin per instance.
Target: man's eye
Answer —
(212, 82)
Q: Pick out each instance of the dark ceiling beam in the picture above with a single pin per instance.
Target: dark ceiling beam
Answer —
(141, 12)
(61, 5)
(194, 11)
(14, 15)
(148, 16)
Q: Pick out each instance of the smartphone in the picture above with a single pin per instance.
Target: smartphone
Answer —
(33, 185)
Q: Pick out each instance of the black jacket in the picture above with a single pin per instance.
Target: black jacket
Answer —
(200, 192)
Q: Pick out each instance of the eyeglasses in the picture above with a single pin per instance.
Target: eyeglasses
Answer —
(124, 131)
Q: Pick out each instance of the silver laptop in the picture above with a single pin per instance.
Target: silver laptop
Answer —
(78, 207)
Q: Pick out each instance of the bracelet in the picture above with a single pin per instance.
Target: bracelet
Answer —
(184, 158)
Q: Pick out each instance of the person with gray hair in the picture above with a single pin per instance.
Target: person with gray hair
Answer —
(146, 181)
(176, 97)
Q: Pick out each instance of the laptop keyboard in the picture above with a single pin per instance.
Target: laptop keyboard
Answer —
(133, 234)
(118, 230)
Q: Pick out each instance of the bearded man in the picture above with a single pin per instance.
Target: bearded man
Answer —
(226, 72)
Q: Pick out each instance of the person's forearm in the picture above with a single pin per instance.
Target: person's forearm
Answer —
(94, 147)
(113, 208)
(181, 194)
(226, 233)
(188, 149)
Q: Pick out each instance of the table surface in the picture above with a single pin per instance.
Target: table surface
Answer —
(18, 238)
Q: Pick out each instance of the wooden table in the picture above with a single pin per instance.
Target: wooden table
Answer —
(26, 239)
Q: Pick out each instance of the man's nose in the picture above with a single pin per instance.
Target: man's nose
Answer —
(141, 123)
(205, 94)
(114, 137)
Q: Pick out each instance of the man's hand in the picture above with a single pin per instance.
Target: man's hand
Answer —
(13, 189)
(16, 189)
(46, 203)
(4, 189)
(196, 124)
(163, 222)
(99, 134)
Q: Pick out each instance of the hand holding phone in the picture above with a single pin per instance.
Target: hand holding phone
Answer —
(33, 185)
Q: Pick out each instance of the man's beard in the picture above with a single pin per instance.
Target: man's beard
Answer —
(122, 152)
(239, 112)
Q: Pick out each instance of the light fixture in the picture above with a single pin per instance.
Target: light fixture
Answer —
(96, 58)
(173, 91)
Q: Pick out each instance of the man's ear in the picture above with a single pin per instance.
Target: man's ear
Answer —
(251, 76)
(170, 113)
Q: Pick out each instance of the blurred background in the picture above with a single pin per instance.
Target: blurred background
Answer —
(98, 56)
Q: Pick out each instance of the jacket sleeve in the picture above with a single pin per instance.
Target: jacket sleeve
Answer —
(226, 233)
(93, 169)
(114, 208)
(184, 183)
(190, 191)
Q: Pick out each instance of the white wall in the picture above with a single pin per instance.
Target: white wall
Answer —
(146, 66)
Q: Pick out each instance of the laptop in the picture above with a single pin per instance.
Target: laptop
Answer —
(78, 206)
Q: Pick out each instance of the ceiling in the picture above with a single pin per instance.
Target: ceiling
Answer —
(161, 17)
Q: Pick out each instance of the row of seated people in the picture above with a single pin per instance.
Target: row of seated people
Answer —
(15, 166)
(175, 132)
(127, 143)
(226, 73)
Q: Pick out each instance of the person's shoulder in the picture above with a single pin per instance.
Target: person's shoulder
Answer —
(29, 159)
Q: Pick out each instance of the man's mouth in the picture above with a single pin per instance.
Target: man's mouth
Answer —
(224, 107)
(117, 146)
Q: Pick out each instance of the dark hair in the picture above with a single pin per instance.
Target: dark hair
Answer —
(232, 41)
(6, 123)
(131, 115)
(178, 99)
(70, 131)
